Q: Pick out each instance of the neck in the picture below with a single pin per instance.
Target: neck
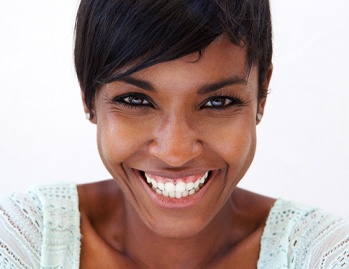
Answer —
(151, 250)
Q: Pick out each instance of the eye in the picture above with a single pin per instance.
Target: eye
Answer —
(221, 102)
(133, 100)
(218, 102)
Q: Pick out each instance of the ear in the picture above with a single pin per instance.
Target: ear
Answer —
(92, 113)
(265, 85)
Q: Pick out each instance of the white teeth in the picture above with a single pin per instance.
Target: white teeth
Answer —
(154, 183)
(176, 190)
(189, 186)
(148, 178)
(169, 186)
(161, 186)
(191, 192)
(178, 195)
(185, 193)
(165, 193)
(203, 179)
(180, 187)
(158, 191)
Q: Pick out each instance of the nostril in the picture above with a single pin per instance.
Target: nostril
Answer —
(175, 154)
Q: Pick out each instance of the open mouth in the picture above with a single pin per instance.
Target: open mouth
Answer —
(176, 188)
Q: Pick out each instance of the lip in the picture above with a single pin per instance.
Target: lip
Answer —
(174, 203)
(174, 175)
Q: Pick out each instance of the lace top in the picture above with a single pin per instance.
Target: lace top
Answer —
(302, 237)
(41, 229)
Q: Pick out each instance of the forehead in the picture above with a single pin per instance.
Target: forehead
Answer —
(220, 60)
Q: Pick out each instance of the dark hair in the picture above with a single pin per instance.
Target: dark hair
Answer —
(114, 34)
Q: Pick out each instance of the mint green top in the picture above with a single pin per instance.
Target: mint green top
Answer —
(41, 229)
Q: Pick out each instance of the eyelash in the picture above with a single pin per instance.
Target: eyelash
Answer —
(122, 100)
(232, 101)
(147, 102)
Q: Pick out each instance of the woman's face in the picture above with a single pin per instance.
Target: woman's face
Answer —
(177, 123)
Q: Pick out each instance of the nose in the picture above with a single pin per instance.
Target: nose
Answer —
(175, 142)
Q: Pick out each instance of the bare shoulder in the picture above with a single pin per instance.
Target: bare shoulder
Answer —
(100, 202)
(257, 205)
(97, 192)
(101, 210)
(101, 205)
(99, 198)
(251, 210)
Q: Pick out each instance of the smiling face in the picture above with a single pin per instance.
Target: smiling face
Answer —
(178, 136)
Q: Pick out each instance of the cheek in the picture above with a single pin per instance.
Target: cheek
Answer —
(236, 143)
(118, 139)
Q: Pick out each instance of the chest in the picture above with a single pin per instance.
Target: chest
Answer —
(96, 253)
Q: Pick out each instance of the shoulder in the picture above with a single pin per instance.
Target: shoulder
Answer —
(39, 227)
(21, 225)
(61, 225)
(96, 195)
(298, 236)
(320, 240)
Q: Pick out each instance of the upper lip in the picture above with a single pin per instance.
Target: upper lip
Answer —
(174, 174)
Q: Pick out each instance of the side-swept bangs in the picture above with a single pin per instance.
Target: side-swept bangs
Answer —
(115, 38)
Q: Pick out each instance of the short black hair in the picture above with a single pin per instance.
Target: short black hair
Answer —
(111, 35)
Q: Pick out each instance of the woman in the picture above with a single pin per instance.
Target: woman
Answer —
(176, 90)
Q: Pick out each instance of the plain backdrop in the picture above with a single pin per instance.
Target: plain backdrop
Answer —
(303, 139)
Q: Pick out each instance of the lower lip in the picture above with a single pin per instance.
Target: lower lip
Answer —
(174, 203)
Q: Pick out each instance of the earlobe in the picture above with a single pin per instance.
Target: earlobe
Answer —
(89, 114)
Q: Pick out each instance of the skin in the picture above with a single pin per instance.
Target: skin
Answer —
(176, 132)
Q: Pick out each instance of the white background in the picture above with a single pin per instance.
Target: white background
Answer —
(303, 140)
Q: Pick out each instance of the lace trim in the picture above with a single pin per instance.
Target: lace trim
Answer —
(41, 228)
(19, 232)
(61, 233)
(302, 237)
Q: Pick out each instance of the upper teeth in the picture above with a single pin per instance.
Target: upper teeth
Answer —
(176, 189)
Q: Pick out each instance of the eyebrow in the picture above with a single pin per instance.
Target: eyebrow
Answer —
(138, 83)
(221, 84)
(202, 90)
